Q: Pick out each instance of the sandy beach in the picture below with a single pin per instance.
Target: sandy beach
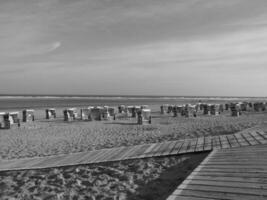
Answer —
(150, 179)
(51, 137)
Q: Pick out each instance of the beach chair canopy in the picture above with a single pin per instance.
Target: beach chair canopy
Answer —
(29, 110)
(71, 109)
(146, 113)
(2, 113)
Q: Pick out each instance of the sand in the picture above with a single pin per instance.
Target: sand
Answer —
(52, 137)
(152, 178)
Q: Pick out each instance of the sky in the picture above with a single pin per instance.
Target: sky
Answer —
(134, 47)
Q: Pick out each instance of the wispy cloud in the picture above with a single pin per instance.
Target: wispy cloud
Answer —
(12, 50)
(54, 46)
(246, 46)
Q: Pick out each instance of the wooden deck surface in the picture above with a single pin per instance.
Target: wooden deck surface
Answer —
(230, 174)
(249, 137)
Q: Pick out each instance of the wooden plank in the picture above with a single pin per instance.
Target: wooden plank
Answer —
(112, 153)
(242, 155)
(240, 139)
(119, 154)
(131, 152)
(159, 149)
(192, 146)
(29, 165)
(207, 143)
(241, 163)
(17, 165)
(165, 147)
(145, 148)
(154, 150)
(74, 158)
(90, 157)
(184, 147)
(229, 174)
(220, 195)
(225, 183)
(232, 140)
(177, 147)
(262, 133)
(251, 180)
(224, 142)
(140, 151)
(169, 148)
(100, 156)
(200, 144)
(174, 197)
(258, 137)
(234, 190)
(238, 159)
(123, 154)
(46, 162)
(249, 139)
(234, 169)
(152, 146)
(242, 151)
(216, 142)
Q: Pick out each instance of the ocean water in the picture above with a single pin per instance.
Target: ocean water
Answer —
(40, 102)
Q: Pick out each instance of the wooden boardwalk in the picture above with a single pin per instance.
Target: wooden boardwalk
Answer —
(230, 174)
(249, 137)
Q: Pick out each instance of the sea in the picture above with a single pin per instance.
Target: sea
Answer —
(18, 102)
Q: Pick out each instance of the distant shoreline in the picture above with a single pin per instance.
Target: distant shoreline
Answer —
(6, 96)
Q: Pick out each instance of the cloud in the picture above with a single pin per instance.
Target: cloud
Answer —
(20, 50)
(260, 21)
(54, 46)
(238, 50)
(241, 45)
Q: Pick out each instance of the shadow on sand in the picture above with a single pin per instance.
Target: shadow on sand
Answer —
(164, 186)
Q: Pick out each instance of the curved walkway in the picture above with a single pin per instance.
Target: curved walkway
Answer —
(249, 137)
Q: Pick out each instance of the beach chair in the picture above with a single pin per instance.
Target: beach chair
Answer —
(122, 109)
(105, 113)
(14, 117)
(70, 114)
(175, 111)
(111, 111)
(96, 113)
(214, 109)
(86, 113)
(164, 109)
(50, 113)
(28, 115)
(8, 119)
(2, 120)
(235, 110)
(144, 116)
(206, 109)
